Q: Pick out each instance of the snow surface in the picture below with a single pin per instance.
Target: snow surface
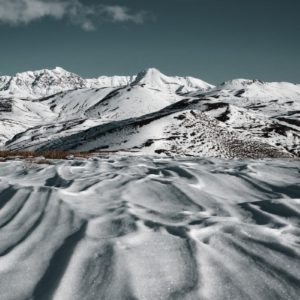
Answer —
(141, 228)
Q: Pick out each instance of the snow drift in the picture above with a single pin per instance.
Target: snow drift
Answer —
(138, 228)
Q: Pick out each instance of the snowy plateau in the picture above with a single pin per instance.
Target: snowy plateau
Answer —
(191, 191)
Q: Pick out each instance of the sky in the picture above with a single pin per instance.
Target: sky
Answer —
(215, 40)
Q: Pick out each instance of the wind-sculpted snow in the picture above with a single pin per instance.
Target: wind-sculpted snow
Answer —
(139, 228)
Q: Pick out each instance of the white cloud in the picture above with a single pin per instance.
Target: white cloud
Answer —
(123, 14)
(17, 12)
(25, 11)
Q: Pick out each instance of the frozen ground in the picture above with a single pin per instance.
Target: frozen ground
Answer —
(141, 228)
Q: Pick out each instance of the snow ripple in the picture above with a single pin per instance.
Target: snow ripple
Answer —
(141, 228)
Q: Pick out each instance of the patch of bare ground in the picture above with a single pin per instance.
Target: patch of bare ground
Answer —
(42, 155)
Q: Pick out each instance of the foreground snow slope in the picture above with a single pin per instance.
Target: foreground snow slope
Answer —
(116, 228)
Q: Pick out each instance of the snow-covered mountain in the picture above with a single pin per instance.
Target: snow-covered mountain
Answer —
(42, 83)
(261, 90)
(155, 79)
(149, 113)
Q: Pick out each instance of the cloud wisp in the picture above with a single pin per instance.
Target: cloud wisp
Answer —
(16, 12)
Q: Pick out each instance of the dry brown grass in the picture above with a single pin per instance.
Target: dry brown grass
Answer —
(44, 154)
(56, 154)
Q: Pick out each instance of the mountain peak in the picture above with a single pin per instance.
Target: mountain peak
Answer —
(36, 84)
(149, 72)
(152, 71)
(152, 77)
(60, 70)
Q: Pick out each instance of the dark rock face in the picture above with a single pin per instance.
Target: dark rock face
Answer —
(5, 106)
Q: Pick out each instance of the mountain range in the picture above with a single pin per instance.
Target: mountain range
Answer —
(149, 114)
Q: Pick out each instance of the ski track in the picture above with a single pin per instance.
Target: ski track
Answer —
(142, 228)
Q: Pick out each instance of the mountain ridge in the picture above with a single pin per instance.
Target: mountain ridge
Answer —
(33, 83)
(149, 113)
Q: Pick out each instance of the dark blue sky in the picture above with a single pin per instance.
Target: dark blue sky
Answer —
(215, 40)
